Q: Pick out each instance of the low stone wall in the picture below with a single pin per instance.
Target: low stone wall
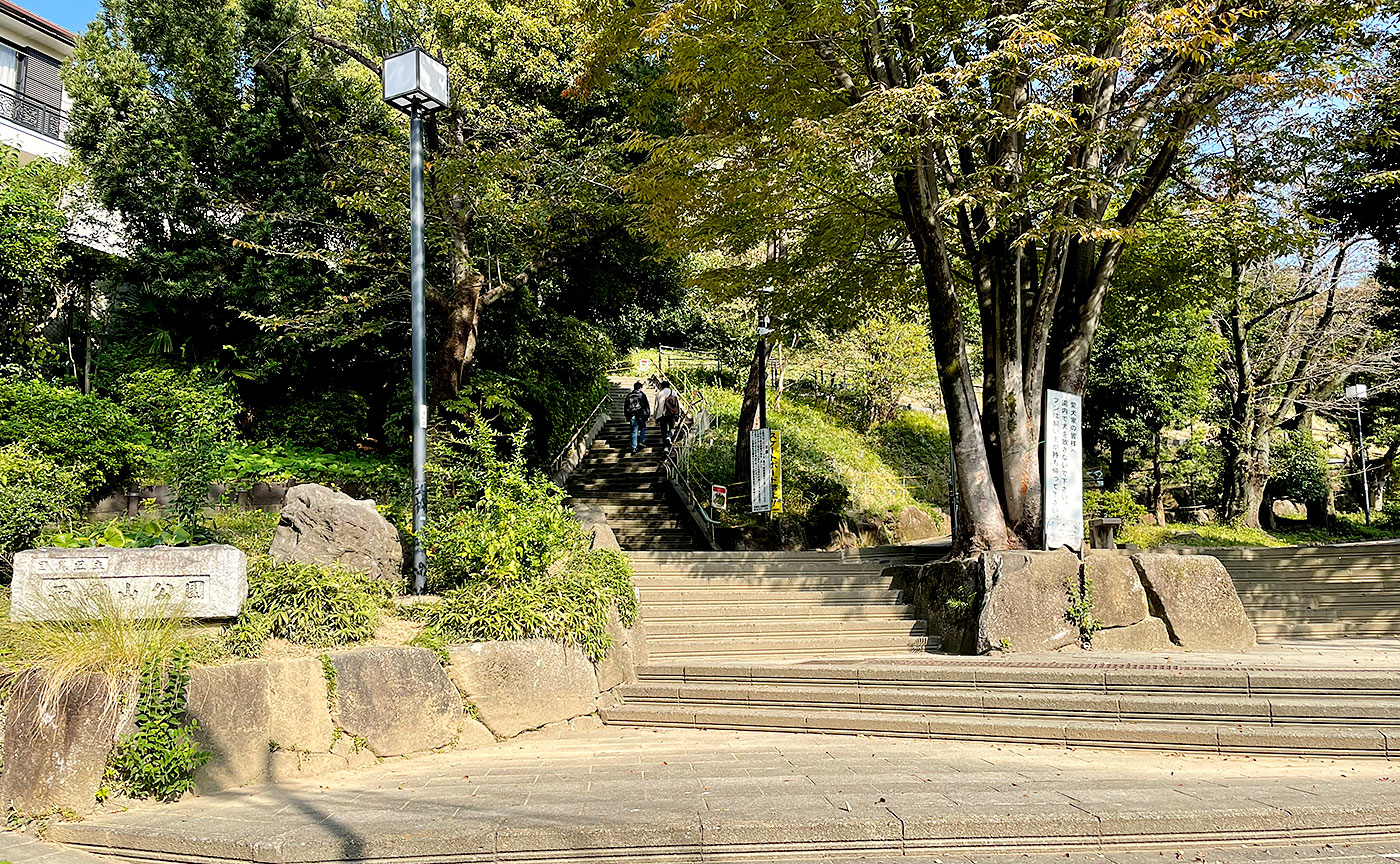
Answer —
(1022, 601)
(278, 720)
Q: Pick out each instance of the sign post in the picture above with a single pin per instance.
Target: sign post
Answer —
(719, 498)
(777, 472)
(1063, 487)
(760, 471)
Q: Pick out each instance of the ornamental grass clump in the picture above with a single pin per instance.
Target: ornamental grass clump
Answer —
(306, 604)
(89, 634)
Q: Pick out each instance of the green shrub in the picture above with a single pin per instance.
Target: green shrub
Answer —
(333, 420)
(34, 492)
(158, 760)
(510, 560)
(492, 516)
(190, 419)
(122, 534)
(174, 405)
(1298, 468)
(249, 530)
(95, 438)
(306, 604)
(1116, 504)
(278, 462)
(571, 604)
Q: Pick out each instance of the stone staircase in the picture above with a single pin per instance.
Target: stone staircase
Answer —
(774, 606)
(1318, 592)
(631, 489)
(819, 642)
(1160, 707)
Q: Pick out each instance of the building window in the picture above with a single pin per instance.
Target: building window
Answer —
(31, 92)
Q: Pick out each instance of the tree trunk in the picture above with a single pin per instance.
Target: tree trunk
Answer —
(462, 310)
(1117, 453)
(1159, 497)
(748, 416)
(980, 507)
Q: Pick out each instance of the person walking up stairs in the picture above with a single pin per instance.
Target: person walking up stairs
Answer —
(625, 479)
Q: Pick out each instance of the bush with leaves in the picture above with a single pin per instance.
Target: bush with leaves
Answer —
(34, 493)
(332, 420)
(1298, 468)
(490, 514)
(124, 534)
(570, 603)
(306, 604)
(190, 417)
(95, 438)
(159, 759)
(510, 560)
(1113, 504)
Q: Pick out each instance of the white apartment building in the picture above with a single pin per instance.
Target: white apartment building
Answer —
(33, 106)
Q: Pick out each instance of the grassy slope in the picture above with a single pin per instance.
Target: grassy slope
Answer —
(881, 471)
(1348, 528)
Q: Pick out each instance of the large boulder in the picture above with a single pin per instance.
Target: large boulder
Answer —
(1196, 597)
(232, 706)
(1119, 599)
(948, 595)
(518, 686)
(322, 526)
(397, 700)
(56, 744)
(1149, 634)
(1026, 601)
(914, 523)
(300, 715)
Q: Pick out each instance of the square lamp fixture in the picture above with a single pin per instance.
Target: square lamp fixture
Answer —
(415, 80)
(1356, 391)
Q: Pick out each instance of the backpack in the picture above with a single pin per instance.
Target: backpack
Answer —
(632, 405)
(673, 405)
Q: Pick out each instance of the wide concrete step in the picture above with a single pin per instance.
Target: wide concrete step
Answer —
(661, 613)
(768, 597)
(1213, 737)
(998, 676)
(1090, 707)
(755, 646)
(665, 631)
(729, 581)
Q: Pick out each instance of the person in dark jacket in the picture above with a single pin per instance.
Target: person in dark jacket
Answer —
(637, 411)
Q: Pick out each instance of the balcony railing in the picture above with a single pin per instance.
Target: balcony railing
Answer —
(32, 114)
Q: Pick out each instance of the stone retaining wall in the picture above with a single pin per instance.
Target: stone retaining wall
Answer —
(278, 720)
(1022, 601)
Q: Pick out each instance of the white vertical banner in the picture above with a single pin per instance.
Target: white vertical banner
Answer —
(760, 471)
(1063, 483)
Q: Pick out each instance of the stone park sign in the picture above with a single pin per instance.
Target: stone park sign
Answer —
(197, 582)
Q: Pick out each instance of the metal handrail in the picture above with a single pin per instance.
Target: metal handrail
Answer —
(694, 423)
(583, 431)
(32, 114)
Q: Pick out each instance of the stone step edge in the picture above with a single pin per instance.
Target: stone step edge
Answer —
(1085, 679)
(1275, 715)
(945, 831)
(1203, 737)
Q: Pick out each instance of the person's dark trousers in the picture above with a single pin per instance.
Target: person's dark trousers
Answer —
(668, 423)
(639, 432)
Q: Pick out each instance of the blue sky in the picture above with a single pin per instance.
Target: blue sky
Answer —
(71, 14)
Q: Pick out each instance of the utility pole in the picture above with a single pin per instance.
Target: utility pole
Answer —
(1358, 393)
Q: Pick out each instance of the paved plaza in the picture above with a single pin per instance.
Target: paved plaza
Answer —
(692, 794)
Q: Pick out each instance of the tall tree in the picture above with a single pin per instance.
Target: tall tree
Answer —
(33, 227)
(1006, 150)
(260, 174)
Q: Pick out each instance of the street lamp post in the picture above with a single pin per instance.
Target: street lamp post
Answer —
(416, 83)
(1357, 392)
